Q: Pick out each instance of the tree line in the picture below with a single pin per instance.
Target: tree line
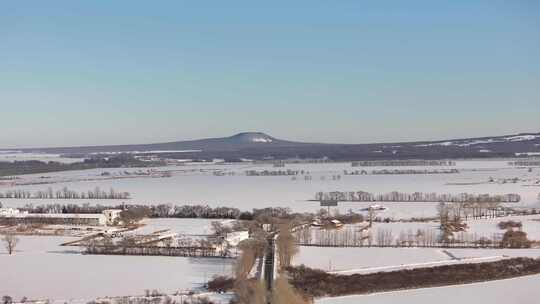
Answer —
(181, 247)
(65, 193)
(36, 166)
(318, 283)
(395, 196)
(168, 211)
(287, 172)
(525, 163)
(405, 162)
(384, 237)
(400, 171)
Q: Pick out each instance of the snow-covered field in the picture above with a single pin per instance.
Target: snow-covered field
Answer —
(523, 290)
(180, 226)
(479, 227)
(11, 156)
(513, 253)
(366, 260)
(196, 184)
(41, 269)
(531, 225)
(340, 259)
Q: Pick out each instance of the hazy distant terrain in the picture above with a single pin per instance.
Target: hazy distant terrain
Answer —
(256, 145)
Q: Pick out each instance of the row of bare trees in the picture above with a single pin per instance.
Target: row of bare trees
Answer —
(384, 237)
(404, 162)
(400, 171)
(395, 196)
(287, 172)
(459, 211)
(346, 237)
(286, 245)
(150, 245)
(65, 193)
(252, 291)
(525, 163)
(170, 211)
(249, 290)
(154, 211)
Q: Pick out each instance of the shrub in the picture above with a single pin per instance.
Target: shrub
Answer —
(220, 284)
(515, 239)
(7, 300)
(509, 224)
(317, 283)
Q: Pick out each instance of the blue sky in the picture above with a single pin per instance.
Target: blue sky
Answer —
(115, 72)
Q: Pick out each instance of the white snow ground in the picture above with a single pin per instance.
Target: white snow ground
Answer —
(180, 226)
(40, 269)
(11, 156)
(531, 225)
(195, 184)
(340, 259)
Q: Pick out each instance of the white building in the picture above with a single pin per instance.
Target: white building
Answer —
(233, 238)
(111, 216)
(14, 216)
(11, 212)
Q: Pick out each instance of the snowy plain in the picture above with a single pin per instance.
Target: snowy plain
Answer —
(340, 259)
(41, 269)
(196, 184)
(12, 156)
(180, 226)
(369, 260)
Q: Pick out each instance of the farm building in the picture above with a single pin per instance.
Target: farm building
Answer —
(11, 212)
(108, 217)
(111, 216)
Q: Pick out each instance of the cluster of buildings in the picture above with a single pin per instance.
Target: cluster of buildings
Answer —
(108, 217)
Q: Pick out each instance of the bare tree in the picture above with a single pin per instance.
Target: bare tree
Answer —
(133, 215)
(385, 237)
(284, 293)
(10, 241)
(287, 247)
(220, 229)
(250, 292)
(251, 250)
(7, 300)
(443, 212)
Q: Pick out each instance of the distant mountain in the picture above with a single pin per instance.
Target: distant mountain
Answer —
(238, 141)
(257, 145)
